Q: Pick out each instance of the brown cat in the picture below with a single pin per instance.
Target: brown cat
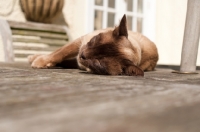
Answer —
(109, 51)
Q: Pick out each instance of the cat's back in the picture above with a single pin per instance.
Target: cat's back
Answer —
(143, 41)
(148, 48)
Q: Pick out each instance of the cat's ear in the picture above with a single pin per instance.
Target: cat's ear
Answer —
(121, 30)
(133, 71)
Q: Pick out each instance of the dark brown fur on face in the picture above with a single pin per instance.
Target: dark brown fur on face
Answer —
(110, 52)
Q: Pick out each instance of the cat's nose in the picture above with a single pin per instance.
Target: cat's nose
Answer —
(82, 56)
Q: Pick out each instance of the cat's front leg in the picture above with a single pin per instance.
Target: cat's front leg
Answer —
(64, 53)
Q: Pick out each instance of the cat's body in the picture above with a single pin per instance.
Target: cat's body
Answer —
(111, 51)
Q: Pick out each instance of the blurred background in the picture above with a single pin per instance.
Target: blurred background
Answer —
(162, 21)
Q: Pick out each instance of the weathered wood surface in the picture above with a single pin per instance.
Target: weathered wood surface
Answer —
(53, 42)
(37, 26)
(65, 100)
(47, 48)
(40, 34)
(53, 36)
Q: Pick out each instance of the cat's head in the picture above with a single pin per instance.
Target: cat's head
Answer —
(110, 53)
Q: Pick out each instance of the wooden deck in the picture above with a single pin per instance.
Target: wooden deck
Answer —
(66, 100)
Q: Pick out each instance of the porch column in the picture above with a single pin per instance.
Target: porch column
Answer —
(191, 37)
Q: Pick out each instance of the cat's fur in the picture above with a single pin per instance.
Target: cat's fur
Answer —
(109, 51)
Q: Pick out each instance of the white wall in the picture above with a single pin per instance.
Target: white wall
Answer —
(170, 24)
(10, 10)
(76, 15)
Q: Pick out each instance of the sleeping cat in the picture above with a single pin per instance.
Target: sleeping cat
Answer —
(111, 51)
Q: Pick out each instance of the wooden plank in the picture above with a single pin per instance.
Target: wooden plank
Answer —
(22, 55)
(30, 44)
(39, 33)
(18, 59)
(31, 52)
(51, 48)
(37, 26)
(53, 42)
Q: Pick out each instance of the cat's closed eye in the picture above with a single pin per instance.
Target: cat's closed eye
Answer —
(93, 44)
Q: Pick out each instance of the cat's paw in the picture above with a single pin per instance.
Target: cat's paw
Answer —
(31, 58)
(42, 61)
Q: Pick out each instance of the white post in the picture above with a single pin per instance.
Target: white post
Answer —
(6, 36)
(191, 37)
